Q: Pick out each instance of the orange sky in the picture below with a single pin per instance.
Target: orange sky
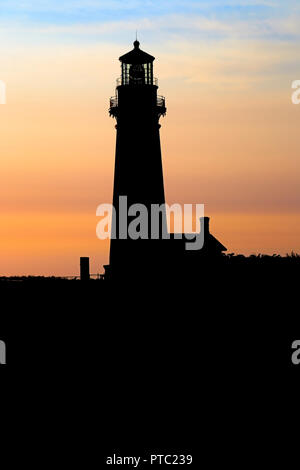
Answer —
(229, 140)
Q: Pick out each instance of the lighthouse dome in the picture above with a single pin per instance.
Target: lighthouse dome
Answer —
(136, 56)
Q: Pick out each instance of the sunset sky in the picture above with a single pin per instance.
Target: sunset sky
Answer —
(230, 139)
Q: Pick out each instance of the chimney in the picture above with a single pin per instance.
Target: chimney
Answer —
(204, 225)
(84, 269)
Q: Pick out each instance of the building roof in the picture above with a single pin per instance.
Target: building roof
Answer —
(136, 56)
(213, 243)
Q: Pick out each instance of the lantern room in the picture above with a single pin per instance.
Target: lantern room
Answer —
(137, 67)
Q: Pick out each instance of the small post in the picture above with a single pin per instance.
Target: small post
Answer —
(84, 268)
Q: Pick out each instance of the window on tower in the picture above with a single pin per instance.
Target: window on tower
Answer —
(137, 74)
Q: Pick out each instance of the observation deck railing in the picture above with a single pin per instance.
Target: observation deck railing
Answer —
(139, 82)
(160, 102)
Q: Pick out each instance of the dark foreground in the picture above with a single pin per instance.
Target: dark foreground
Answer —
(199, 363)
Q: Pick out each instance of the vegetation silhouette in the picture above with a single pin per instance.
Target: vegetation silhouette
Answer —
(226, 268)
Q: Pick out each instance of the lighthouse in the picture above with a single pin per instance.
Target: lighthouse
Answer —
(138, 174)
(138, 181)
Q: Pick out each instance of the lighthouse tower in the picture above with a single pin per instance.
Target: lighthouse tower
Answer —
(138, 175)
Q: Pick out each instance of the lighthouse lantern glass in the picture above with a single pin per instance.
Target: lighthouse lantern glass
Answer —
(137, 74)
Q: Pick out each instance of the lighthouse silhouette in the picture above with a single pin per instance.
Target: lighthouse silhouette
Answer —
(138, 175)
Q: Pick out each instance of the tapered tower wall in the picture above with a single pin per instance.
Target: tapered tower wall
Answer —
(138, 171)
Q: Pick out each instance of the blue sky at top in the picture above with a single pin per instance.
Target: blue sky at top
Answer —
(67, 12)
(275, 19)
